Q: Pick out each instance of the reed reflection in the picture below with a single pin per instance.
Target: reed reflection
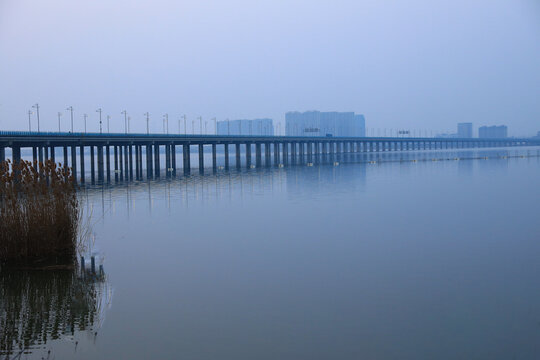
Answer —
(40, 306)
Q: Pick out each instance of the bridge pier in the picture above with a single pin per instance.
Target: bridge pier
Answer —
(137, 164)
(201, 158)
(65, 155)
(267, 154)
(248, 155)
(74, 162)
(258, 157)
(100, 163)
(285, 153)
(116, 170)
(92, 169)
(214, 156)
(187, 158)
(226, 151)
(168, 168)
(53, 158)
(130, 152)
(121, 161)
(2, 154)
(276, 153)
(108, 162)
(237, 155)
(157, 168)
(173, 159)
(81, 159)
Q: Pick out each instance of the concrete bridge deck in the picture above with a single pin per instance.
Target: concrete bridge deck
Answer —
(128, 153)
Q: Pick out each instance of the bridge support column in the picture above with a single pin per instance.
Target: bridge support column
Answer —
(46, 150)
(285, 153)
(108, 162)
(267, 154)
(238, 161)
(2, 154)
(81, 156)
(276, 153)
(40, 156)
(214, 157)
(65, 156)
(74, 162)
(226, 151)
(258, 157)
(100, 163)
(34, 156)
(137, 164)
(121, 162)
(53, 157)
(201, 158)
(248, 155)
(168, 167)
(309, 152)
(173, 159)
(92, 166)
(126, 162)
(187, 158)
(130, 153)
(157, 167)
(116, 170)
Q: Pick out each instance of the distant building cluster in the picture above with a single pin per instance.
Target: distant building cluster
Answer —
(464, 130)
(493, 132)
(318, 123)
(257, 127)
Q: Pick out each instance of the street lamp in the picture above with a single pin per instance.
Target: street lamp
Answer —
(30, 120)
(36, 106)
(59, 116)
(185, 126)
(147, 122)
(100, 128)
(85, 117)
(71, 111)
(108, 120)
(200, 123)
(166, 120)
(125, 120)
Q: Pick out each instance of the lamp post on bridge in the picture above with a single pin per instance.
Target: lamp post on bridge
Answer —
(200, 124)
(30, 112)
(85, 117)
(147, 114)
(125, 120)
(108, 120)
(185, 126)
(71, 111)
(215, 125)
(100, 127)
(36, 106)
(59, 116)
(166, 123)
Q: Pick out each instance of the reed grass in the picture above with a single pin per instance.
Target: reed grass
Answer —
(39, 215)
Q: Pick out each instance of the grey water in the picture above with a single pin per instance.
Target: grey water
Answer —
(371, 257)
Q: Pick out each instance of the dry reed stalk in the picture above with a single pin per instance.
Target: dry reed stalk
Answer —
(39, 214)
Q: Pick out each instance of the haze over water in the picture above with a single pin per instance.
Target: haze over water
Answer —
(392, 260)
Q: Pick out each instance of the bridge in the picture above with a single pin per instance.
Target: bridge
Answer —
(128, 153)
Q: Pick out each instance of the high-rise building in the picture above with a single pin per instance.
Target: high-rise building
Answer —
(317, 123)
(464, 130)
(257, 127)
(493, 132)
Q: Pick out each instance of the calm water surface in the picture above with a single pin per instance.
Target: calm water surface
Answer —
(385, 260)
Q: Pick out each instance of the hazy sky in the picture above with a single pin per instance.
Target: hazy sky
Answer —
(418, 64)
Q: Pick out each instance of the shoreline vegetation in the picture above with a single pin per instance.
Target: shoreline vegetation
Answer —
(40, 216)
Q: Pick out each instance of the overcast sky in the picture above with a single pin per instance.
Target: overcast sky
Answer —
(417, 64)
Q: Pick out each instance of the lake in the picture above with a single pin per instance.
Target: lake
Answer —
(416, 255)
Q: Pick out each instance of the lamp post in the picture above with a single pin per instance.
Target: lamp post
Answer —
(100, 127)
(85, 117)
(215, 125)
(108, 120)
(125, 120)
(36, 106)
(185, 126)
(193, 126)
(71, 111)
(59, 116)
(200, 124)
(166, 123)
(147, 122)
(30, 120)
